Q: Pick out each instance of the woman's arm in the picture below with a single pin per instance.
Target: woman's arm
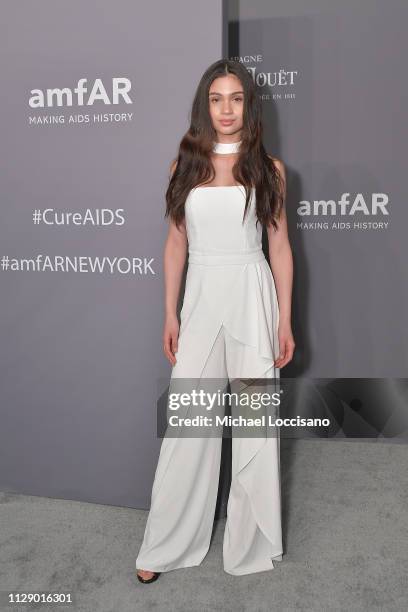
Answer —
(175, 253)
(280, 255)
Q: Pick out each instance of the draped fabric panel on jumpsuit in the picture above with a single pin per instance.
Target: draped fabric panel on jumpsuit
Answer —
(228, 330)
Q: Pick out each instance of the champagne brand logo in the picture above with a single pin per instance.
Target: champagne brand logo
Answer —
(277, 85)
(266, 79)
(273, 79)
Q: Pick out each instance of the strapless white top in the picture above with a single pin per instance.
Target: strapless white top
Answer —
(214, 221)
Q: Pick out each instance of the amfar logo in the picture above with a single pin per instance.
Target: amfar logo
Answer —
(346, 207)
(379, 202)
(119, 89)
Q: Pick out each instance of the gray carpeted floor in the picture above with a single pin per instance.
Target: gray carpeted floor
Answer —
(345, 519)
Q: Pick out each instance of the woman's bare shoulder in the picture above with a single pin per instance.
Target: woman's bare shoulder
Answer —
(275, 160)
(278, 163)
(173, 166)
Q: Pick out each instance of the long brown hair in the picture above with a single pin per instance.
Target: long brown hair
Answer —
(253, 168)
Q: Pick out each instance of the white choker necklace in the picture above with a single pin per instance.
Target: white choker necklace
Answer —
(226, 147)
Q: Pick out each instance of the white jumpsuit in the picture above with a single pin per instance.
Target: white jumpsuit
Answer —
(228, 329)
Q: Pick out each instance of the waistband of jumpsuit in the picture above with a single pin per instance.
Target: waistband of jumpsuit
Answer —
(227, 258)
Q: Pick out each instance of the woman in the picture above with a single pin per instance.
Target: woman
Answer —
(223, 189)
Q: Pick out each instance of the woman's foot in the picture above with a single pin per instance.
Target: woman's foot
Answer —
(146, 576)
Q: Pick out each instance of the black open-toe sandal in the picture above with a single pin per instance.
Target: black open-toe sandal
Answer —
(148, 580)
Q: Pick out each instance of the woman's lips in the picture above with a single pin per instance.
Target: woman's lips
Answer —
(227, 122)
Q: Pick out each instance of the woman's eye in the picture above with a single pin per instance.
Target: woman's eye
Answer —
(217, 99)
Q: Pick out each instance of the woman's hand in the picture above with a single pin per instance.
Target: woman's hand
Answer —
(286, 345)
(170, 337)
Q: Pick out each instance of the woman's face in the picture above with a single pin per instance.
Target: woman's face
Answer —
(226, 104)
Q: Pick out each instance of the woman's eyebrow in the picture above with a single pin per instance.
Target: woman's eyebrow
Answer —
(215, 93)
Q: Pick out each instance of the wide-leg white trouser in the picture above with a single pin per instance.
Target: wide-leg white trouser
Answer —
(184, 494)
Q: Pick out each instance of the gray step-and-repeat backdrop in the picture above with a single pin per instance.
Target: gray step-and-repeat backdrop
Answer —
(95, 98)
(330, 76)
